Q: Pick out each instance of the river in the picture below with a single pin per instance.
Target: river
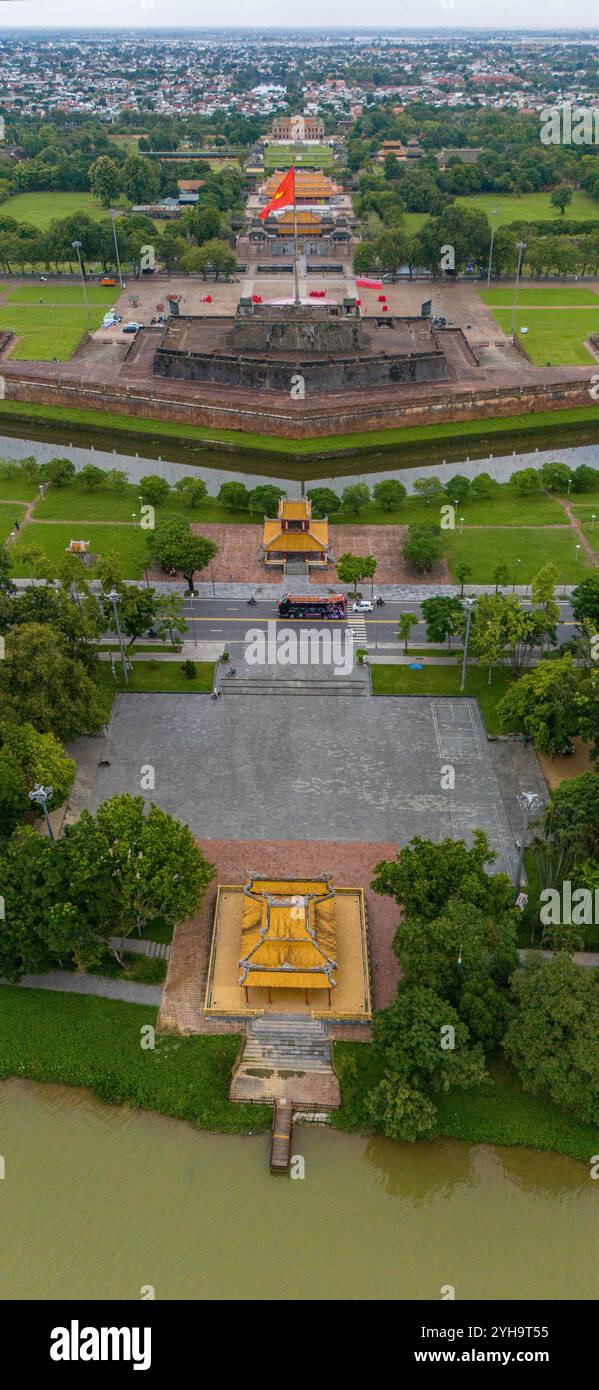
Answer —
(217, 468)
(100, 1201)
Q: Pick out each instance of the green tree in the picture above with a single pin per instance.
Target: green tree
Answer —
(27, 757)
(117, 481)
(429, 489)
(140, 179)
(543, 704)
(104, 180)
(553, 1039)
(59, 472)
(173, 544)
(154, 489)
(235, 496)
(192, 490)
(462, 573)
(136, 611)
(350, 568)
(355, 497)
(526, 481)
(324, 500)
(585, 600)
(6, 583)
(410, 1035)
(169, 618)
(443, 618)
(388, 494)
(91, 478)
(265, 499)
(406, 622)
(40, 684)
(462, 944)
(501, 575)
(457, 489)
(34, 561)
(483, 486)
(425, 876)
(400, 1111)
(422, 548)
(561, 197)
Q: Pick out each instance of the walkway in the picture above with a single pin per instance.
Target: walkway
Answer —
(102, 985)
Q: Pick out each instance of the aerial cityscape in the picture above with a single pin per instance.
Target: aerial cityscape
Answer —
(299, 672)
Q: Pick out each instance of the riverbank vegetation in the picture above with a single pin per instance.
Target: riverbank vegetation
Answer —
(470, 1020)
(81, 1040)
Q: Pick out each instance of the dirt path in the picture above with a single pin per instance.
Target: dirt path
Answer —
(575, 524)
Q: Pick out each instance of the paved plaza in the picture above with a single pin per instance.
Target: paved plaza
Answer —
(296, 768)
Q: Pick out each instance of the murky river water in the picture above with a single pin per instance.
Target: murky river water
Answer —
(98, 1201)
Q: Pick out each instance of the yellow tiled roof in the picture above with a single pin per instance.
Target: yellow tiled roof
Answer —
(288, 934)
(308, 183)
(294, 511)
(317, 538)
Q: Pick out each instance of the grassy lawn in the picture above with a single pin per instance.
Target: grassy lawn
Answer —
(555, 337)
(559, 295)
(50, 321)
(445, 680)
(498, 1112)
(75, 503)
(40, 209)
(8, 515)
(532, 207)
(158, 676)
(282, 156)
(81, 1040)
(505, 508)
(261, 444)
(19, 488)
(127, 542)
(524, 552)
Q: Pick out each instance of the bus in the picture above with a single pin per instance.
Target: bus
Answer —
(311, 606)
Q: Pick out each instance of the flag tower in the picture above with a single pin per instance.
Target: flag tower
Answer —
(285, 196)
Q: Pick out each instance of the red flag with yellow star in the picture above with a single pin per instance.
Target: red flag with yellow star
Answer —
(283, 196)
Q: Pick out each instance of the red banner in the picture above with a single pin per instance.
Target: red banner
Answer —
(283, 196)
(368, 284)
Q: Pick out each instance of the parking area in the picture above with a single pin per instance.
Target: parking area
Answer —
(296, 768)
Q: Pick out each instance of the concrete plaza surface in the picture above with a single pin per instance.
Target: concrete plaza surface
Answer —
(299, 768)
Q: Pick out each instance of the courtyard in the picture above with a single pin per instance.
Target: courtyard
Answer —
(290, 768)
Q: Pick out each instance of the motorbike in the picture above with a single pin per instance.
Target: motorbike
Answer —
(380, 603)
(230, 671)
(252, 602)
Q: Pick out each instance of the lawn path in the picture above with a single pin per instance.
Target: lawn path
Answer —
(575, 524)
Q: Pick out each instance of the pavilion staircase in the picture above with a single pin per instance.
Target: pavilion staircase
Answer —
(336, 686)
(288, 1042)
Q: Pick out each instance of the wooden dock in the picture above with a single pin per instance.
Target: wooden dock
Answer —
(280, 1146)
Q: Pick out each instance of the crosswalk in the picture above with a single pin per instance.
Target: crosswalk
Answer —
(357, 625)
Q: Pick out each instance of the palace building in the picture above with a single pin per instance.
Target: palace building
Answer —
(297, 129)
(292, 944)
(294, 536)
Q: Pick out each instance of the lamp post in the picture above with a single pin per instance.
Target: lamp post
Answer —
(493, 226)
(521, 250)
(577, 553)
(115, 599)
(41, 796)
(461, 525)
(77, 247)
(469, 606)
(593, 520)
(193, 620)
(116, 245)
(528, 803)
(212, 578)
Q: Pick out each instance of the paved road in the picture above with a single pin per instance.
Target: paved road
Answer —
(94, 984)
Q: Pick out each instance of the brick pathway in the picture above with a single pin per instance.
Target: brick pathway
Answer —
(350, 863)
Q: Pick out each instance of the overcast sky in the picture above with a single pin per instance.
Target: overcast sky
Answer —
(537, 14)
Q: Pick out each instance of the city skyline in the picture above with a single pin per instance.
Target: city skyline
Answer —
(535, 15)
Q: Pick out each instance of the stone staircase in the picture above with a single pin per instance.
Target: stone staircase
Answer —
(287, 1058)
(344, 686)
(288, 1042)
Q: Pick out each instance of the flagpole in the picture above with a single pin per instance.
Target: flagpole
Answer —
(295, 274)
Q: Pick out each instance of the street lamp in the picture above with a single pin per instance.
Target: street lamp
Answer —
(577, 553)
(193, 619)
(77, 247)
(115, 599)
(116, 246)
(469, 606)
(593, 520)
(521, 250)
(516, 580)
(528, 802)
(461, 525)
(493, 225)
(212, 578)
(41, 796)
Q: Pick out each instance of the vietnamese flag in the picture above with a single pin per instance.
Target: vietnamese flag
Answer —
(283, 196)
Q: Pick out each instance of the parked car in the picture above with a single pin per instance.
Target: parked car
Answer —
(132, 327)
(107, 280)
(363, 605)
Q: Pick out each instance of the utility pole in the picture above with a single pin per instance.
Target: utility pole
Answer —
(41, 796)
(493, 225)
(469, 604)
(77, 247)
(521, 250)
(115, 599)
(528, 802)
(116, 246)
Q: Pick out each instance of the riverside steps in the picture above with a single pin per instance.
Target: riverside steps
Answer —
(345, 686)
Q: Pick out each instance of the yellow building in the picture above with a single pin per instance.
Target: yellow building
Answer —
(295, 535)
(297, 945)
(311, 186)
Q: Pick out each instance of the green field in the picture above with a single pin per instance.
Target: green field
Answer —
(555, 337)
(283, 156)
(40, 209)
(74, 502)
(523, 551)
(532, 207)
(127, 542)
(50, 320)
(8, 515)
(541, 298)
(164, 676)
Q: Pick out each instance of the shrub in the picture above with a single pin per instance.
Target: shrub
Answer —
(189, 669)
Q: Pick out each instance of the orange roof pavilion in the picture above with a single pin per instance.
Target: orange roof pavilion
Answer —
(294, 532)
(288, 934)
